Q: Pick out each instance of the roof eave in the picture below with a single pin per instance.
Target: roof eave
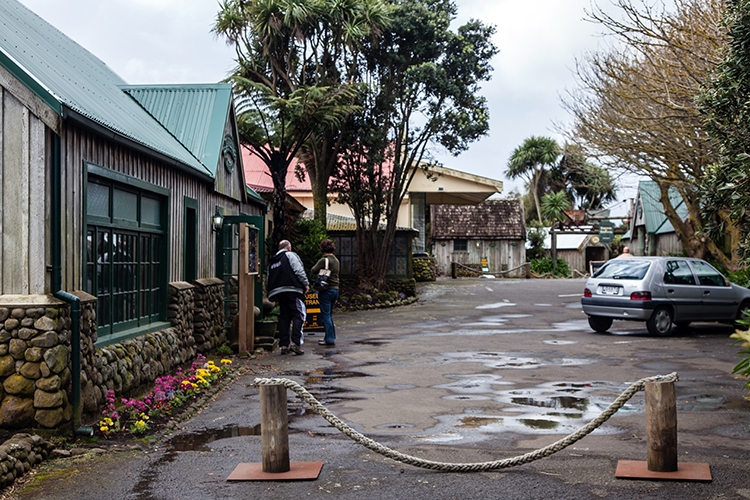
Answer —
(74, 116)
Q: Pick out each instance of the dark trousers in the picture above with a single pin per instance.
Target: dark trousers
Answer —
(292, 313)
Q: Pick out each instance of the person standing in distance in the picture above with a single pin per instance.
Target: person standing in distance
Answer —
(287, 285)
(328, 297)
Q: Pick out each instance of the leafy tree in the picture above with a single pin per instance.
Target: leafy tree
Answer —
(635, 109)
(588, 185)
(726, 101)
(285, 82)
(553, 205)
(529, 160)
(424, 82)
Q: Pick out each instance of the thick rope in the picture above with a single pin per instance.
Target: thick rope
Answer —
(465, 467)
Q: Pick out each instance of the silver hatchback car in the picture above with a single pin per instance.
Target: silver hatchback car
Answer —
(661, 291)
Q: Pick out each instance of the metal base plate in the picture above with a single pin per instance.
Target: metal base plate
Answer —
(634, 469)
(299, 471)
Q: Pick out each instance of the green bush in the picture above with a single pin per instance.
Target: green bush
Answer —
(544, 266)
(306, 237)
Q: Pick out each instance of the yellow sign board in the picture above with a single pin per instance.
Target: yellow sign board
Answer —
(485, 265)
(312, 322)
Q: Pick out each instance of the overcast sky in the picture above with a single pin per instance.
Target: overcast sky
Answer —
(170, 41)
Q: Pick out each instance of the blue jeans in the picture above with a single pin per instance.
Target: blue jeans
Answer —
(327, 298)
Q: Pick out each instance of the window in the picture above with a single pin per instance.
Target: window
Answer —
(398, 257)
(678, 273)
(460, 245)
(126, 252)
(707, 275)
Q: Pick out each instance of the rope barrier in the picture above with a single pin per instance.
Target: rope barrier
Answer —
(465, 467)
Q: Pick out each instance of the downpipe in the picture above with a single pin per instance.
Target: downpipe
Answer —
(75, 302)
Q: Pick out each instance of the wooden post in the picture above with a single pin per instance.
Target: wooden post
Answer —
(661, 426)
(274, 428)
(250, 311)
(242, 271)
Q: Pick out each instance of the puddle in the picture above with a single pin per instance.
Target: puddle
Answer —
(395, 426)
(373, 342)
(198, 441)
(329, 374)
(703, 402)
(496, 305)
(498, 360)
(559, 342)
(550, 408)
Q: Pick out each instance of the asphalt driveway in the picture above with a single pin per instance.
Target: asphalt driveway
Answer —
(477, 370)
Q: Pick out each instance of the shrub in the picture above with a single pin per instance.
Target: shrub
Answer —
(544, 266)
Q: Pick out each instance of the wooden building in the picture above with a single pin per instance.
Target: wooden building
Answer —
(109, 192)
(650, 232)
(467, 234)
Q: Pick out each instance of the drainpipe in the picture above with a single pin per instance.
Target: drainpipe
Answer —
(75, 302)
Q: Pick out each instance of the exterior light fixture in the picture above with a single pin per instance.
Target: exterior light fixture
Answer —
(217, 221)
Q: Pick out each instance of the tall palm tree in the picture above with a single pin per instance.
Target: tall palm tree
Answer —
(529, 160)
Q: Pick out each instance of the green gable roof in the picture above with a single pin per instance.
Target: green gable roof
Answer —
(194, 114)
(70, 79)
(653, 210)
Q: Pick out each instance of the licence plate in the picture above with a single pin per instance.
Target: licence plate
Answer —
(610, 290)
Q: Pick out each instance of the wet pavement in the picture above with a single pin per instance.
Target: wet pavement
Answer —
(477, 370)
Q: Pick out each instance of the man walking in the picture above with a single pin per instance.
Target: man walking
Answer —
(287, 285)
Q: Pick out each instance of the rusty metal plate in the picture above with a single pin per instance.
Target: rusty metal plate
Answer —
(686, 471)
(299, 471)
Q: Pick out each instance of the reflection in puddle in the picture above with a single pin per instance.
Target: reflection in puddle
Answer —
(559, 342)
(496, 305)
(198, 441)
(497, 360)
(395, 426)
(549, 408)
(703, 402)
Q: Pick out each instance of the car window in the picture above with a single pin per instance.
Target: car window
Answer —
(707, 275)
(623, 269)
(678, 273)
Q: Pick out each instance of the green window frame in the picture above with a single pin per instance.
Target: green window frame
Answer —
(126, 253)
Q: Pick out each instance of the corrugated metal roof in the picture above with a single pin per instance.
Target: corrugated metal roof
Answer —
(653, 210)
(194, 114)
(65, 75)
(335, 222)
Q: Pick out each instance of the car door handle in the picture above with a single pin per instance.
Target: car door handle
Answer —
(670, 290)
(706, 292)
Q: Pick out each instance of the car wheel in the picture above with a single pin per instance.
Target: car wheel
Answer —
(660, 323)
(599, 323)
(743, 313)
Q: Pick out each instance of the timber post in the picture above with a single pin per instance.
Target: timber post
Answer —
(661, 426)
(274, 429)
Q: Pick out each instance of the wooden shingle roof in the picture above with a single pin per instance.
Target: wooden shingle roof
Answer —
(491, 220)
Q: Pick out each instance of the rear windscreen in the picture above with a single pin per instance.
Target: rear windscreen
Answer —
(623, 269)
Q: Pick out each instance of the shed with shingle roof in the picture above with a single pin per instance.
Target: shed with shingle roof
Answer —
(467, 234)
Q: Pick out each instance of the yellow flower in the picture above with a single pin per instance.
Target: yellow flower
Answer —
(104, 428)
(214, 368)
(144, 416)
(226, 361)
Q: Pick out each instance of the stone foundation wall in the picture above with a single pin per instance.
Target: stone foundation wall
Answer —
(35, 352)
(19, 454)
(425, 268)
(209, 321)
(407, 286)
(34, 362)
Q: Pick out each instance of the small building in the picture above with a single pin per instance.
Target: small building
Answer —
(109, 193)
(578, 250)
(492, 232)
(650, 232)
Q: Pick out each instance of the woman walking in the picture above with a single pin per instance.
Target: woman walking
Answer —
(327, 297)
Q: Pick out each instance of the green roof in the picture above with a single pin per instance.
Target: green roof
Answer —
(653, 210)
(194, 114)
(69, 78)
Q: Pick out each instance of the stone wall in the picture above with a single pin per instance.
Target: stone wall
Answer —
(34, 361)
(425, 268)
(35, 352)
(407, 286)
(19, 454)
(209, 321)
